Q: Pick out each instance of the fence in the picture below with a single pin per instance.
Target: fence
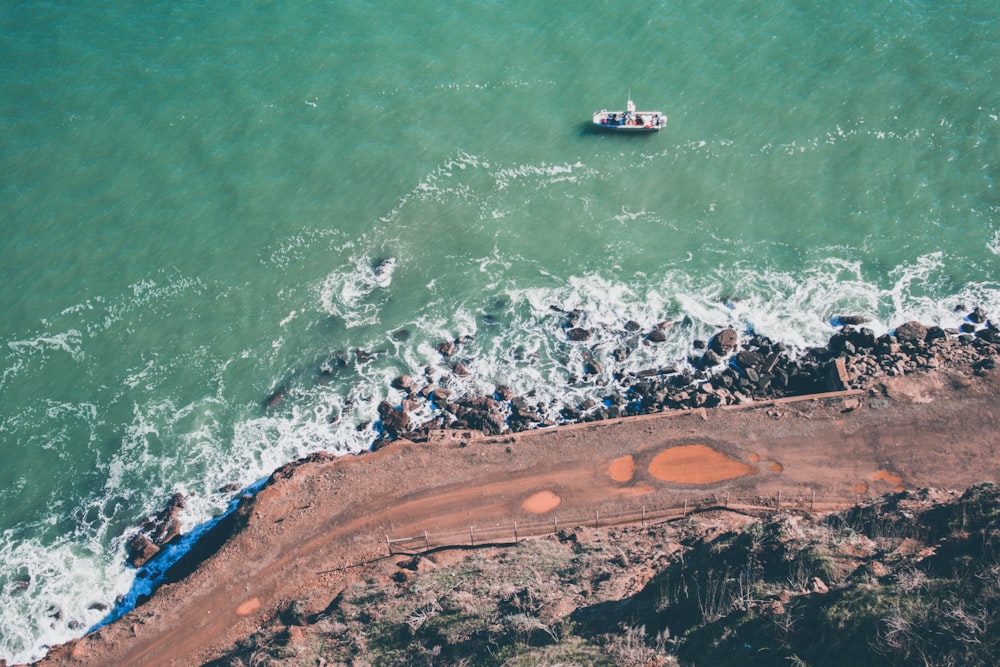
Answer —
(512, 533)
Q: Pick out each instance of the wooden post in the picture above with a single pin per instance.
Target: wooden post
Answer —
(427, 544)
(727, 499)
(515, 532)
(685, 507)
(643, 515)
(472, 538)
(812, 503)
(388, 544)
(597, 519)
(779, 500)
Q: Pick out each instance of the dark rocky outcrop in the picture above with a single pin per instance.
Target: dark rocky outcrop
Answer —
(758, 369)
(155, 532)
(724, 342)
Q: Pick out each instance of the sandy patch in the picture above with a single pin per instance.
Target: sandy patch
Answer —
(248, 607)
(637, 490)
(622, 469)
(695, 464)
(541, 502)
(892, 479)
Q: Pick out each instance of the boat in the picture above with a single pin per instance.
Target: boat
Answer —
(630, 120)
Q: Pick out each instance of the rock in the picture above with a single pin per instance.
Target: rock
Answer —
(440, 395)
(393, 421)
(405, 383)
(632, 326)
(577, 335)
(988, 335)
(851, 319)
(461, 370)
(140, 550)
(656, 336)
(935, 333)
(749, 359)
(503, 392)
(724, 342)
(446, 348)
(711, 358)
(816, 585)
(977, 315)
(911, 332)
(523, 410)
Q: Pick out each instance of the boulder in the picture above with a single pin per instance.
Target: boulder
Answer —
(911, 332)
(656, 336)
(977, 315)
(140, 550)
(816, 585)
(851, 319)
(749, 359)
(446, 348)
(577, 335)
(724, 342)
(405, 383)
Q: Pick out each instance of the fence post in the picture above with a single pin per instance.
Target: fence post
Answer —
(643, 516)
(727, 499)
(812, 503)
(597, 519)
(515, 533)
(555, 525)
(427, 544)
(472, 538)
(388, 544)
(685, 507)
(779, 500)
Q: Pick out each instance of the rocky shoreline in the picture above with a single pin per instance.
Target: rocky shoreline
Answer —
(727, 369)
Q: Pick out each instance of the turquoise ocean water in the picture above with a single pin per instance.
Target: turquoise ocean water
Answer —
(193, 197)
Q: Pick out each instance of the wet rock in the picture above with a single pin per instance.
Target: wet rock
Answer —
(977, 315)
(440, 395)
(911, 332)
(394, 421)
(503, 392)
(577, 335)
(724, 342)
(140, 549)
(749, 359)
(632, 326)
(446, 348)
(711, 358)
(155, 532)
(851, 319)
(276, 398)
(523, 410)
(656, 336)
(405, 383)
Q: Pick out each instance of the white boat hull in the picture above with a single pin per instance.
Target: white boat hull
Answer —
(630, 120)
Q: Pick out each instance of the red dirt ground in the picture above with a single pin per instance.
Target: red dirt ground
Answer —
(309, 530)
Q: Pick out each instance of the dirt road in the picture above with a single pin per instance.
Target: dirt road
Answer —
(308, 530)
